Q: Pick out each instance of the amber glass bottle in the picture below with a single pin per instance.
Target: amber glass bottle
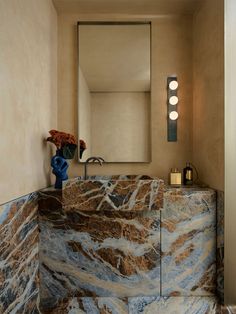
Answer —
(188, 174)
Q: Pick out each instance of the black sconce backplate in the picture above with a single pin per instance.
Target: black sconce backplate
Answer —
(171, 124)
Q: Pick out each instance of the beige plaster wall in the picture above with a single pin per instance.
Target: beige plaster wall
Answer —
(28, 79)
(230, 152)
(171, 54)
(208, 95)
(147, 7)
(121, 126)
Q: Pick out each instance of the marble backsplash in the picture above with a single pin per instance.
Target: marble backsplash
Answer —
(19, 260)
(111, 261)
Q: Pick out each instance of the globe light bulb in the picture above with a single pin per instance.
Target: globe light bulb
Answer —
(173, 85)
(173, 100)
(173, 115)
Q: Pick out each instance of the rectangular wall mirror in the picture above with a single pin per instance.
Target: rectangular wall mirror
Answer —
(114, 90)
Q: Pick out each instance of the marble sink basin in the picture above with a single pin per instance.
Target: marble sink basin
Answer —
(109, 193)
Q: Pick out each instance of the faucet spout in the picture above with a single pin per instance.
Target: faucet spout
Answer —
(99, 160)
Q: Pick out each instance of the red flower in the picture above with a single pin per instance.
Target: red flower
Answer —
(82, 144)
(60, 139)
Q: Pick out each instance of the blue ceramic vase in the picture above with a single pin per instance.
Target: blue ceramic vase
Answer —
(59, 166)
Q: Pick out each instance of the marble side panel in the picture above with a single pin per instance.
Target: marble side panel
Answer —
(220, 245)
(188, 229)
(50, 203)
(87, 305)
(98, 254)
(19, 282)
(174, 305)
(120, 194)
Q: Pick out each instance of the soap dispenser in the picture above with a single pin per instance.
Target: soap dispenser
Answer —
(188, 174)
(175, 177)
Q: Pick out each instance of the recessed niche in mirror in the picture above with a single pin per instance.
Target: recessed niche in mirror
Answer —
(114, 91)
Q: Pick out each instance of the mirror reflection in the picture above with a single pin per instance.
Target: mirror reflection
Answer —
(114, 91)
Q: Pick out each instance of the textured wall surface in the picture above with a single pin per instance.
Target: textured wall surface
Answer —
(230, 152)
(208, 93)
(28, 79)
(171, 54)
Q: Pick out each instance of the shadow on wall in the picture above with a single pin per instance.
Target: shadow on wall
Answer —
(49, 152)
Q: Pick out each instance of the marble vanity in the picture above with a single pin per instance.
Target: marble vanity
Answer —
(120, 244)
(123, 243)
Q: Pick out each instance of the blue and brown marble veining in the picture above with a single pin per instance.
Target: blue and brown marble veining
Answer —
(228, 309)
(88, 305)
(122, 193)
(98, 254)
(19, 282)
(174, 305)
(220, 245)
(103, 257)
(188, 241)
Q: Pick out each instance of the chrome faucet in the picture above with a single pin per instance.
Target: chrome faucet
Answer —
(100, 160)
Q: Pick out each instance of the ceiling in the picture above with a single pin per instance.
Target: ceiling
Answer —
(151, 7)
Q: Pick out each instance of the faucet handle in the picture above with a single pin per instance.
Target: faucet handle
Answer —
(100, 158)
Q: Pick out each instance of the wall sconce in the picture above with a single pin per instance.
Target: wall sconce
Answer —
(172, 101)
